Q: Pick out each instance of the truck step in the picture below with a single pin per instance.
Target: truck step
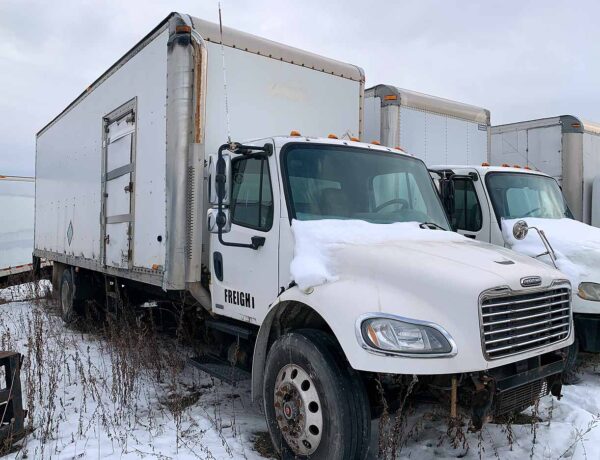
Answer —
(240, 332)
(220, 369)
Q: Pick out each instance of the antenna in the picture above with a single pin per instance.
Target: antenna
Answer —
(224, 78)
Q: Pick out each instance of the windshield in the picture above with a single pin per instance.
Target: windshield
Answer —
(518, 195)
(338, 182)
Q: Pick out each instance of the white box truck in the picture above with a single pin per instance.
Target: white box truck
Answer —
(564, 147)
(17, 195)
(434, 129)
(485, 202)
(279, 240)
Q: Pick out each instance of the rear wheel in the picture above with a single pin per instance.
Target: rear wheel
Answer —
(70, 308)
(316, 405)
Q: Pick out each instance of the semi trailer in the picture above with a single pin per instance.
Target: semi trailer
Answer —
(564, 147)
(434, 129)
(17, 195)
(319, 266)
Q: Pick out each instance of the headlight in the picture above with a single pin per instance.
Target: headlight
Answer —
(389, 334)
(589, 291)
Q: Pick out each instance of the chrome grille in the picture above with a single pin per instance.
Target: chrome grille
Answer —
(515, 322)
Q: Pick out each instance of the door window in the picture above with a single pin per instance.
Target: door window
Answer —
(467, 211)
(251, 196)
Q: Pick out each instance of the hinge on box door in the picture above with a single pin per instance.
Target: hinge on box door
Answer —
(129, 188)
(131, 118)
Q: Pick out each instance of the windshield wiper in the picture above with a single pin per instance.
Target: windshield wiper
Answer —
(431, 226)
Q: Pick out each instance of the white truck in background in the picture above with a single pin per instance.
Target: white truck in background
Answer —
(434, 129)
(160, 205)
(564, 147)
(17, 196)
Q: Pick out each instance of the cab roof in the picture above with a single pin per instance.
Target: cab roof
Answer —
(483, 170)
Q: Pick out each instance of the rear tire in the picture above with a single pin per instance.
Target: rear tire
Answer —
(70, 308)
(315, 404)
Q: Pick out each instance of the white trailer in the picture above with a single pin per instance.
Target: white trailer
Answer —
(139, 190)
(436, 130)
(566, 148)
(17, 195)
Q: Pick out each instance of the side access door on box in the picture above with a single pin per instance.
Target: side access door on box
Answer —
(118, 173)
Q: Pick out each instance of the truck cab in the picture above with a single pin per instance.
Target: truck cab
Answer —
(337, 245)
(478, 199)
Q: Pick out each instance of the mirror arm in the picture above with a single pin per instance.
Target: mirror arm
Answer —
(221, 181)
(547, 245)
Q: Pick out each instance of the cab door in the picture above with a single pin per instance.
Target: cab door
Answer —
(471, 213)
(244, 280)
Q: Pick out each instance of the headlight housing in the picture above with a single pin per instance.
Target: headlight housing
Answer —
(388, 334)
(589, 291)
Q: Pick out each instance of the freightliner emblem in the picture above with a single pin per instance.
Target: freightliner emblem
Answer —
(531, 281)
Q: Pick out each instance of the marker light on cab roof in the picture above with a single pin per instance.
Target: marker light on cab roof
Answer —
(375, 142)
(485, 163)
(331, 136)
(295, 133)
(355, 139)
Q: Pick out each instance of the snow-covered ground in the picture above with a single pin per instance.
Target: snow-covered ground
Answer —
(110, 394)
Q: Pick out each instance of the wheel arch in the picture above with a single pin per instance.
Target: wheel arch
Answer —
(283, 317)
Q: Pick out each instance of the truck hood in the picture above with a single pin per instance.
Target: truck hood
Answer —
(329, 250)
(576, 245)
(577, 249)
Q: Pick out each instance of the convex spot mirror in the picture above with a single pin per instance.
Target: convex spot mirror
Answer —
(219, 179)
(520, 230)
(214, 217)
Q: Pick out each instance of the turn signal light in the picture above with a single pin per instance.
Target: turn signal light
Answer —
(183, 29)
(295, 133)
(332, 136)
(390, 97)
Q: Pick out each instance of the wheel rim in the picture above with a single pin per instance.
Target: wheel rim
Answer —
(64, 297)
(298, 409)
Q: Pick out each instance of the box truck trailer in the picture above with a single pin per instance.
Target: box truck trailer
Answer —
(566, 148)
(434, 129)
(279, 242)
(17, 196)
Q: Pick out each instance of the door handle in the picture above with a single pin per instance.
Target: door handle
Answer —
(469, 235)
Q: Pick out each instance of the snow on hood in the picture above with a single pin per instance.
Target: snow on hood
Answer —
(315, 240)
(576, 245)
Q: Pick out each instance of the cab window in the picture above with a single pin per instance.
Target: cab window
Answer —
(251, 196)
(467, 211)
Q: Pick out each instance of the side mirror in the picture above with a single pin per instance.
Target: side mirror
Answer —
(219, 179)
(214, 217)
(520, 230)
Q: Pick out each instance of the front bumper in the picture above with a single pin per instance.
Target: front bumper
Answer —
(587, 331)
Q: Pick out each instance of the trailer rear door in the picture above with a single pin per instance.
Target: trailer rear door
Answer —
(118, 179)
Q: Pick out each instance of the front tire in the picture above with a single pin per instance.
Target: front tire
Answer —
(70, 308)
(315, 404)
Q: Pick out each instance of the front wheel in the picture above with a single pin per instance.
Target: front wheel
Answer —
(315, 404)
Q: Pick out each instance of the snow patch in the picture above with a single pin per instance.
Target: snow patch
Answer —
(576, 245)
(317, 240)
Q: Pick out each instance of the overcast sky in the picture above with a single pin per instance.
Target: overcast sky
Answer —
(519, 59)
